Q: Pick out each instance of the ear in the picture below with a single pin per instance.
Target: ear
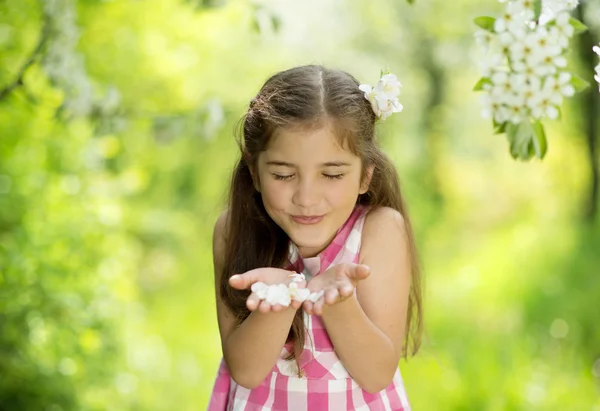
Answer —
(364, 185)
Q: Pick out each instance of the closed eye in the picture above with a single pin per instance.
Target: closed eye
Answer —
(282, 177)
(333, 176)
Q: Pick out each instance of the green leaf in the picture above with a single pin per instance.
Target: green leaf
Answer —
(486, 23)
(500, 128)
(579, 83)
(540, 144)
(577, 25)
(519, 137)
(483, 81)
(537, 9)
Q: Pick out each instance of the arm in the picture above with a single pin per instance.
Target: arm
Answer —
(250, 350)
(371, 325)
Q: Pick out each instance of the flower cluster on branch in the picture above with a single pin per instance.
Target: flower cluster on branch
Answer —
(524, 75)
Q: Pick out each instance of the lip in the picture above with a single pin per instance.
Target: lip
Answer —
(307, 219)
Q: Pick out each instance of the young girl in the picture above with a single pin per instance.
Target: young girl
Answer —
(312, 193)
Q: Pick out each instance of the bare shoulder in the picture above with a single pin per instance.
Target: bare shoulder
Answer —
(384, 227)
(383, 219)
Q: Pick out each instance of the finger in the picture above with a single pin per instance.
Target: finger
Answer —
(295, 304)
(244, 281)
(278, 308)
(318, 307)
(346, 289)
(331, 296)
(357, 272)
(264, 307)
(308, 307)
(252, 302)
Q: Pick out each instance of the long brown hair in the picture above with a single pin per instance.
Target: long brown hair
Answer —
(306, 96)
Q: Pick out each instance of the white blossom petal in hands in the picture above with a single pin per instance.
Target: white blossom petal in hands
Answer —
(260, 289)
(297, 278)
(298, 294)
(273, 294)
(280, 294)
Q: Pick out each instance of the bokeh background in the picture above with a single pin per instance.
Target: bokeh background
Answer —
(116, 146)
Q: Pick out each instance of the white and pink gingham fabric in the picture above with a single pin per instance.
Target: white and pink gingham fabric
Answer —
(325, 385)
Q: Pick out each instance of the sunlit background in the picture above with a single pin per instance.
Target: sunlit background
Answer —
(116, 146)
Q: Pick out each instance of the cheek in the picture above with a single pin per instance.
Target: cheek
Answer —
(342, 192)
(274, 195)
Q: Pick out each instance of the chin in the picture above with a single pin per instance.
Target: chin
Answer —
(311, 241)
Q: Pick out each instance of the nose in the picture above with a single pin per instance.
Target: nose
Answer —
(306, 193)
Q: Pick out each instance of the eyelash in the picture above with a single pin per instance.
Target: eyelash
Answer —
(327, 176)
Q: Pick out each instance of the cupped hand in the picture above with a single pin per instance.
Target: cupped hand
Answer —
(337, 283)
(268, 276)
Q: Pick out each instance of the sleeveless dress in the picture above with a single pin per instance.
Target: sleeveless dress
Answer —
(322, 384)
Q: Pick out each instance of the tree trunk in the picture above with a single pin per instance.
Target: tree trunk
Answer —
(590, 111)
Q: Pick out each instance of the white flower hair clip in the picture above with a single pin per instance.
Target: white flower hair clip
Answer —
(384, 96)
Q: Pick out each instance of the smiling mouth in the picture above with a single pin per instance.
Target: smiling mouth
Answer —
(308, 220)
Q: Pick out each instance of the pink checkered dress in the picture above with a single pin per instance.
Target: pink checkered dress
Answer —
(325, 384)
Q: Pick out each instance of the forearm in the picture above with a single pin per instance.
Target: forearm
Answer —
(252, 349)
(366, 352)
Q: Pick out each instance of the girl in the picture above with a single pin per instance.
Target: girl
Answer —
(313, 193)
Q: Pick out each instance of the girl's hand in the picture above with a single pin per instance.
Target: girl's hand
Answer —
(268, 276)
(338, 283)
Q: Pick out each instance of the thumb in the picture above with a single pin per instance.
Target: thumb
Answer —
(244, 281)
(358, 272)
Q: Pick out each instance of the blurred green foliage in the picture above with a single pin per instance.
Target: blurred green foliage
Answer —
(106, 214)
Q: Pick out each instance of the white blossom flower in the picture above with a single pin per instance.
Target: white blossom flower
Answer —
(388, 86)
(488, 65)
(563, 24)
(384, 96)
(282, 294)
(484, 39)
(533, 86)
(505, 84)
(260, 289)
(298, 294)
(273, 294)
(542, 105)
(513, 19)
(297, 277)
(493, 108)
(559, 86)
(551, 8)
(526, 67)
(517, 110)
(278, 294)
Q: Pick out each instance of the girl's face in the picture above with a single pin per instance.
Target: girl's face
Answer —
(309, 185)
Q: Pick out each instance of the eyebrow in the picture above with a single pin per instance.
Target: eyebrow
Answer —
(328, 164)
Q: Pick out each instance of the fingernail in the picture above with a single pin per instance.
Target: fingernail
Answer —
(234, 277)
